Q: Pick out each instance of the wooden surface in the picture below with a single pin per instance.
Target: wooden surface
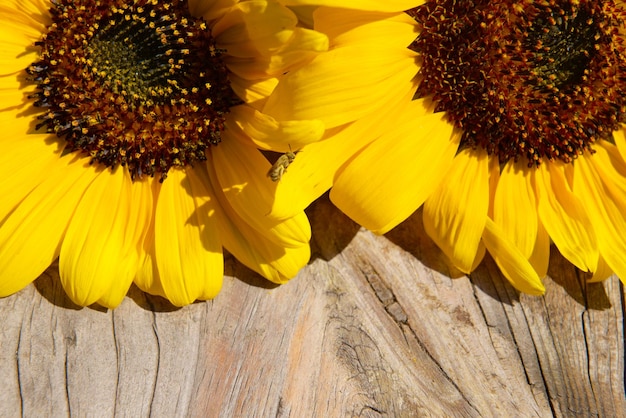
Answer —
(372, 327)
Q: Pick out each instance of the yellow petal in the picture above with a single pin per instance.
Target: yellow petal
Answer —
(30, 10)
(480, 255)
(262, 38)
(259, 250)
(99, 255)
(374, 5)
(540, 257)
(245, 124)
(276, 264)
(313, 171)
(600, 181)
(455, 214)
(253, 92)
(26, 165)
(211, 10)
(188, 247)
(305, 14)
(564, 217)
(515, 210)
(260, 26)
(601, 272)
(303, 46)
(336, 87)
(30, 237)
(619, 137)
(513, 264)
(345, 28)
(21, 24)
(395, 174)
(148, 278)
(242, 175)
(16, 110)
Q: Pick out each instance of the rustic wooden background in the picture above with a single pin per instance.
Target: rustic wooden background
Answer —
(372, 327)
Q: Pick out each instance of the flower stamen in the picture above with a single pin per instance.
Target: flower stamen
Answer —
(140, 85)
(525, 79)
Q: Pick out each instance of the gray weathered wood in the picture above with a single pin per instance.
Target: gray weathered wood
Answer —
(372, 327)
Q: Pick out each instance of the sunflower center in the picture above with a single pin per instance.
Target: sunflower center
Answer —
(525, 79)
(140, 85)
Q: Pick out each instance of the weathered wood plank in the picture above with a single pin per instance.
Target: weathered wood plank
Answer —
(374, 326)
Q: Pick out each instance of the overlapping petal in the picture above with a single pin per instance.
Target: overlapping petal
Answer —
(515, 214)
(619, 137)
(108, 223)
(262, 39)
(337, 87)
(31, 235)
(515, 210)
(268, 256)
(188, 248)
(26, 167)
(246, 124)
(601, 183)
(315, 168)
(211, 10)
(512, 262)
(21, 24)
(250, 193)
(563, 216)
(373, 200)
(456, 213)
(369, 5)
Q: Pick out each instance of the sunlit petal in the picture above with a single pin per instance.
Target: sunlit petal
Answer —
(375, 5)
(108, 224)
(601, 184)
(188, 252)
(511, 261)
(373, 200)
(515, 210)
(564, 217)
(30, 237)
(455, 214)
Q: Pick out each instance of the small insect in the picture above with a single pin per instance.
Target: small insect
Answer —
(279, 167)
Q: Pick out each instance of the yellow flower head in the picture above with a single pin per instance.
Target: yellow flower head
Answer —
(504, 119)
(130, 144)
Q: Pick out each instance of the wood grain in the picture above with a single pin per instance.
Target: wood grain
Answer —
(373, 327)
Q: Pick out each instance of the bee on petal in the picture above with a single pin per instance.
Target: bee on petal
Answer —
(280, 166)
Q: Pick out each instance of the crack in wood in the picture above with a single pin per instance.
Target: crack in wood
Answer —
(384, 294)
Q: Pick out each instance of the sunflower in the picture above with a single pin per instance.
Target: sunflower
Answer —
(130, 145)
(503, 120)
